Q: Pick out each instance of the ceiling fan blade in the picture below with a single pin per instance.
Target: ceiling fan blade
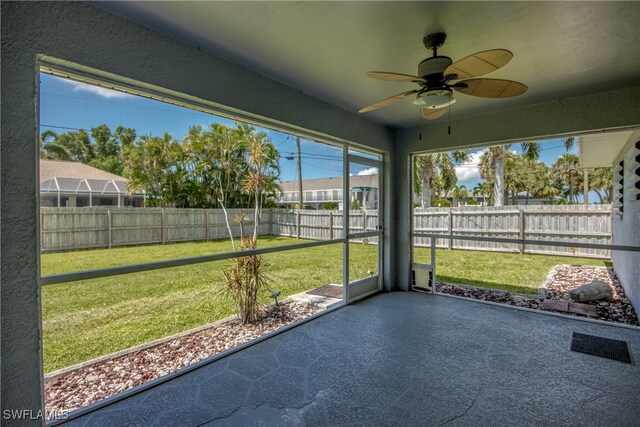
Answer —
(480, 63)
(492, 88)
(387, 101)
(432, 114)
(394, 77)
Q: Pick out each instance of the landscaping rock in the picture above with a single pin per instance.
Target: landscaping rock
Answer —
(99, 380)
(594, 291)
(562, 279)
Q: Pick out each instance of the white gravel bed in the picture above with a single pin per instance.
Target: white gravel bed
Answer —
(561, 280)
(98, 381)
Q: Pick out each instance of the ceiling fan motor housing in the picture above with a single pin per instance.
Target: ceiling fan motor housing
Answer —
(433, 67)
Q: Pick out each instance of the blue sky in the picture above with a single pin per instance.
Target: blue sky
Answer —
(67, 105)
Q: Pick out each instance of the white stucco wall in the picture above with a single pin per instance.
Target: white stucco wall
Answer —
(83, 34)
(626, 229)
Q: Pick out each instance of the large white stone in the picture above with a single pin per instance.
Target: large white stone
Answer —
(593, 291)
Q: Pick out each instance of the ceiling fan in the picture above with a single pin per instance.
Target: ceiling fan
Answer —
(439, 76)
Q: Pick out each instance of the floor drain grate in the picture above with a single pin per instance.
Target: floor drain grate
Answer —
(601, 347)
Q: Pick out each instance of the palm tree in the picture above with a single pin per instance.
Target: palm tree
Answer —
(539, 182)
(569, 143)
(566, 169)
(484, 189)
(492, 165)
(51, 147)
(263, 172)
(601, 180)
(459, 192)
(436, 172)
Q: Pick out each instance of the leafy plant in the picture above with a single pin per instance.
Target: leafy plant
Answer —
(245, 281)
(330, 206)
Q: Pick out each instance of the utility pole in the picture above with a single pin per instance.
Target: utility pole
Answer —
(301, 205)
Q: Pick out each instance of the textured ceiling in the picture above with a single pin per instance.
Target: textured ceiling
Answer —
(562, 49)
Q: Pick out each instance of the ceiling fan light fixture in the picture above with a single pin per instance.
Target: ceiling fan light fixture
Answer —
(435, 99)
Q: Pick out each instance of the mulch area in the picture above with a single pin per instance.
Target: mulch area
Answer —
(98, 381)
(562, 279)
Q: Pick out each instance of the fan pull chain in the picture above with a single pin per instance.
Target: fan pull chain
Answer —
(449, 111)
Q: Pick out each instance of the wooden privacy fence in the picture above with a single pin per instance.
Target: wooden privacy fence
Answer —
(571, 223)
(323, 225)
(84, 228)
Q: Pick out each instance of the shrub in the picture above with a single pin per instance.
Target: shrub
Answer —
(442, 203)
(330, 206)
(472, 203)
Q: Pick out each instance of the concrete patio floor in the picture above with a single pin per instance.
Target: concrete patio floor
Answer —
(403, 359)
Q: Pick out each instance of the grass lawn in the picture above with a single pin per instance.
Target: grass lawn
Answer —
(506, 271)
(87, 319)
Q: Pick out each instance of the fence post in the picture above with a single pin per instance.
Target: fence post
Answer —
(298, 223)
(450, 228)
(433, 265)
(163, 226)
(271, 221)
(364, 226)
(521, 226)
(110, 227)
(206, 224)
(330, 225)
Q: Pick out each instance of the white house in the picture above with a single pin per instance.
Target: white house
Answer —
(317, 192)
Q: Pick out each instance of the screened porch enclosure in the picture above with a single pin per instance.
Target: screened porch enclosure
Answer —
(387, 356)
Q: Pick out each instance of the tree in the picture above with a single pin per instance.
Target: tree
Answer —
(101, 148)
(72, 146)
(245, 149)
(459, 192)
(483, 189)
(492, 164)
(570, 143)
(51, 148)
(263, 166)
(108, 147)
(566, 170)
(541, 184)
(436, 172)
(601, 180)
(156, 166)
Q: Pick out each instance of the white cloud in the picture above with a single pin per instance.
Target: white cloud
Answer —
(370, 171)
(469, 170)
(97, 90)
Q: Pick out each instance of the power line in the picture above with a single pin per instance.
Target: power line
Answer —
(60, 127)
